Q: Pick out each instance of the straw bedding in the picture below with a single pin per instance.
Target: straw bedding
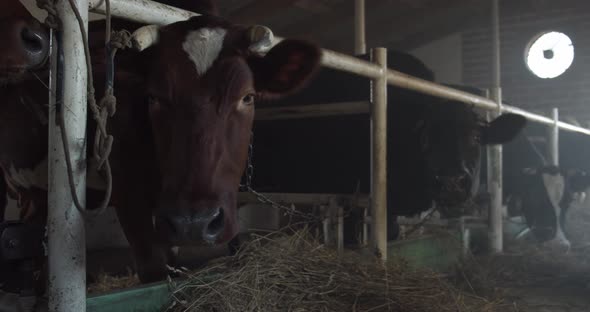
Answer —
(106, 283)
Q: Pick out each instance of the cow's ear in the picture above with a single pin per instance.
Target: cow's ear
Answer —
(285, 68)
(503, 129)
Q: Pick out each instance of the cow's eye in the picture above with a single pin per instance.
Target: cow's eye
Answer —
(249, 99)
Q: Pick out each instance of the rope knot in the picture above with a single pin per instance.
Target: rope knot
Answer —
(52, 20)
(121, 39)
(109, 102)
(105, 151)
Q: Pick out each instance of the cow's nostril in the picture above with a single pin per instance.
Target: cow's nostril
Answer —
(215, 226)
(31, 40)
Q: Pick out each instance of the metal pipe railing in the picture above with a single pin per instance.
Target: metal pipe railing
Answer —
(553, 141)
(65, 224)
(141, 11)
(163, 14)
(495, 234)
(379, 156)
(360, 44)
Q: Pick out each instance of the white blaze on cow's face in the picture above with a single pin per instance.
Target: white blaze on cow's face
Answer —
(554, 185)
(203, 47)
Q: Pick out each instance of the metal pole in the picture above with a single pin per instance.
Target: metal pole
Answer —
(360, 45)
(495, 152)
(496, 75)
(495, 190)
(142, 11)
(379, 155)
(553, 141)
(67, 245)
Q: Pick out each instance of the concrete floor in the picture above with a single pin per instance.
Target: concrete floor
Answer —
(550, 299)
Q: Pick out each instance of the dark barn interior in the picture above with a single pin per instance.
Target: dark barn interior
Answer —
(485, 212)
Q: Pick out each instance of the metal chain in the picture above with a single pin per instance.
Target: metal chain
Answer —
(247, 187)
(249, 173)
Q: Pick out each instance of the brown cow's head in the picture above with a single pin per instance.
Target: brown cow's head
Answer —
(25, 42)
(204, 77)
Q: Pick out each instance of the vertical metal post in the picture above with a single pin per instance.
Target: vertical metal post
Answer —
(553, 141)
(379, 155)
(360, 45)
(496, 75)
(495, 152)
(495, 186)
(67, 245)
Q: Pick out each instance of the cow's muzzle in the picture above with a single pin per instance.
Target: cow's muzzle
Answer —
(208, 226)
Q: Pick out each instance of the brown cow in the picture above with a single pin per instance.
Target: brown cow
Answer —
(25, 43)
(182, 128)
(25, 48)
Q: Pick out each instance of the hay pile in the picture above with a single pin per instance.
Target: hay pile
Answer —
(296, 273)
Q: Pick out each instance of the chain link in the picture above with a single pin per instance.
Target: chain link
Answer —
(249, 173)
(247, 187)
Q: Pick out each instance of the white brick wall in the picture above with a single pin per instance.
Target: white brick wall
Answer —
(519, 23)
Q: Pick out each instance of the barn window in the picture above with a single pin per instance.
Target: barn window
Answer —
(549, 54)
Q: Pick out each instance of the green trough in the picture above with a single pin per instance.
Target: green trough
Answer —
(436, 252)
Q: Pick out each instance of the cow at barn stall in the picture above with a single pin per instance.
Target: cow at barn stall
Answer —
(182, 129)
(25, 48)
(433, 145)
(544, 194)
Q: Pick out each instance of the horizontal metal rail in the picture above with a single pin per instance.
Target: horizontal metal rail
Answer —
(146, 11)
(313, 110)
(360, 200)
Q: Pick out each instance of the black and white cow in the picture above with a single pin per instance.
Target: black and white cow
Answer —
(543, 193)
(433, 152)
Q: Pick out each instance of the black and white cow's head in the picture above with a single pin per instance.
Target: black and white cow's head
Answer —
(547, 194)
(451, 136)
(542, 192)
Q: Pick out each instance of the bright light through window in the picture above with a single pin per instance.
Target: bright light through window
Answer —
(550, 54)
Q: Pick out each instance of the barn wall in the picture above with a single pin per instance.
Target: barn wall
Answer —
(443, 56)
(519, 24)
